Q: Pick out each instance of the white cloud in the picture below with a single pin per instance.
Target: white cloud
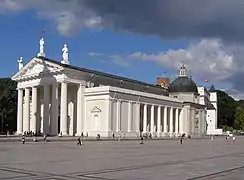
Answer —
(207, 59)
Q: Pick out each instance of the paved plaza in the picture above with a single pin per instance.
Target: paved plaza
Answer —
(125, 160)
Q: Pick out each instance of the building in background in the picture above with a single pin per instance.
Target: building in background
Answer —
(209, 98)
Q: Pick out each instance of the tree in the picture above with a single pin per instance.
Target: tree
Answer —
(226, 109)
(239, 118)
(8, 104)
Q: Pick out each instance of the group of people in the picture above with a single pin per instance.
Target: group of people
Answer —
(35, 138)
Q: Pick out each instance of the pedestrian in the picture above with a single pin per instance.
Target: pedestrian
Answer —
(181, 140)
(234, 139)
(141, 140)
(45, 138)
(23, 139)
(78, 142)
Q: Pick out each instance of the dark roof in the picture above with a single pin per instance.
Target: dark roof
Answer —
(210, 106)
(183, 84)
(151, 87)
(196, 105)
(212, 89)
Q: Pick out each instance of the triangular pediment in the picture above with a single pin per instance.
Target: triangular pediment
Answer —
(36, 67)
(95, 109)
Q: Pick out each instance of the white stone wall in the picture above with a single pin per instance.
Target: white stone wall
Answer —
(189, 97)
(96, 115)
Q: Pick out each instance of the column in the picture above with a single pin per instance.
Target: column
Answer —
(80, 110)
(181, 121)
(137, 107)
(71, 117)
(130, 116)
(20, 112)
(46, 113)
(145, 118)
(152, 120)
(34, 110)
(26, 122)
(64, 109)
(177, 121)
(171, 122)
(118, 127)
(109, 104)
(165, 120)
(54, 110)
(159, 130)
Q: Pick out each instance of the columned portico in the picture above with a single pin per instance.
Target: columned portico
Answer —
(64, 109)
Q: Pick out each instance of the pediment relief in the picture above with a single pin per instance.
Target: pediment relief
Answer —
(36, 67)
(95, 109)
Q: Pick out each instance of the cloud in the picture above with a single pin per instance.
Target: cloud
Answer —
(218, 22)
(207, 59)
(168, 19)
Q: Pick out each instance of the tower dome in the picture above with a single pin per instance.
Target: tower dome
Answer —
(183, 83)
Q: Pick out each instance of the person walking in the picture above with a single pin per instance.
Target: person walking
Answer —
(141, 140)
(79, 141)
(23, 139)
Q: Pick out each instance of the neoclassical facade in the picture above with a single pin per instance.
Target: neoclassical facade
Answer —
(55, 97)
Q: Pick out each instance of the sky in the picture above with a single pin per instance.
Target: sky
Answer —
(139, 39)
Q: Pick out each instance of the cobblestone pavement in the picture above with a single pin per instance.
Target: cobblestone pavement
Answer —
(124, 160)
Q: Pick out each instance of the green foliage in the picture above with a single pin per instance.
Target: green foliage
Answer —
(8, 104)
(228, 128)
(226, 109)
(239, 118)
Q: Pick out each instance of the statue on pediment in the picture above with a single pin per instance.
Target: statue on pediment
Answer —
(65, 55)
(42, 45)
(20, 61)
(41, 51)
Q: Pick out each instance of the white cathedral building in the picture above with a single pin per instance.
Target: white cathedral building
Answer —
(58, 98)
